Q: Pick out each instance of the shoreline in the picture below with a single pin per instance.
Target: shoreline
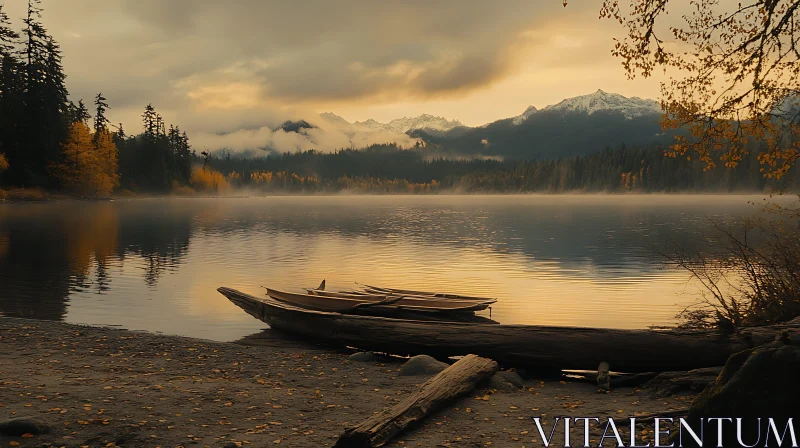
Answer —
(96, 386)
(38, 196)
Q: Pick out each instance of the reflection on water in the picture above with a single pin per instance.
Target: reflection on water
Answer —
(155, 264)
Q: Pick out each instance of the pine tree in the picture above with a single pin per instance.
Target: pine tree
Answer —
(11, 89)
(8, 37)
(150, 123)
(121, 132)
(184, 156)
(78, 114)
(100, 120)
(43, 126)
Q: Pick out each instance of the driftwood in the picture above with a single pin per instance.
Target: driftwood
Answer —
(616, 380)
(451, 383)
(541, 347)
(661, 384)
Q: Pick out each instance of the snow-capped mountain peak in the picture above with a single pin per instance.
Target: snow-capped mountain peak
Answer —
(424, 121)
(600, 100)
(333, 118)
(399, 125)
(525, 115)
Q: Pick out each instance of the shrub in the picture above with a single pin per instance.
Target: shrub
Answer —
(182, 190)
(208, 180)
(3, 163)
(754, 280)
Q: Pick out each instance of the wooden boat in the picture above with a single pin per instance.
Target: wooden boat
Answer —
(383, 295)
(341, 302)
(378, 290)
(541, 347)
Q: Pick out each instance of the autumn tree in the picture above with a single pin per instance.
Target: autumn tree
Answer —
(732, 74)
(89, 165)
(3, 163)
(208, 180)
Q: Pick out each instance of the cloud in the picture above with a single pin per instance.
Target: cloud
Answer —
(230, 71)
(326, 136)
(320, 51)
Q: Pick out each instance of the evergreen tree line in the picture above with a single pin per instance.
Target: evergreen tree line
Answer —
(47, 141)
(388, 168)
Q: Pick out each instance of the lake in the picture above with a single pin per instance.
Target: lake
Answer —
(155, 264)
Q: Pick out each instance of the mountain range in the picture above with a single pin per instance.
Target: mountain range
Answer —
(574, 126)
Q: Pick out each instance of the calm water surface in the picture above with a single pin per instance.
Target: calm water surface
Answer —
(155, 264)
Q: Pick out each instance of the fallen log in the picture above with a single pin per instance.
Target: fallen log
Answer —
(451, 383)
(543, 347)
(617, 380)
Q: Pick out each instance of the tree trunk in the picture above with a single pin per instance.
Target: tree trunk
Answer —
(453, 382)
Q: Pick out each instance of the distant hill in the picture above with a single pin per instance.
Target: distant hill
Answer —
(575, 126)
(550, 134)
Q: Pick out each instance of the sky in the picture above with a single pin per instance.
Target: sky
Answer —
(242, 67)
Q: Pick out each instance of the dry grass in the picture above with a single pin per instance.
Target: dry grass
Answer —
(24, 195)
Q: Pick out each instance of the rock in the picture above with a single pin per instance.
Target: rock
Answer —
(422, 365)
(522, 373)
(230, 445)
(506, 380)
(672, 383)
(23, 425)
(755, 383)
(512, 377)
(362, 357)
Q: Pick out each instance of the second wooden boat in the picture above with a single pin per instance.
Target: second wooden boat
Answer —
(342, 302)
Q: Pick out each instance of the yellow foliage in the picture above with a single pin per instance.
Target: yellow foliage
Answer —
(206, 179)
(3, 163)
(89, 165)
(182, 190)
(93, 237)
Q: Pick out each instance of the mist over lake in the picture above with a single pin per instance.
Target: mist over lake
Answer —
(155, 264)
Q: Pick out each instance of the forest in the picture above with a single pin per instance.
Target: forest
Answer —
(392, 169)
(49, 143)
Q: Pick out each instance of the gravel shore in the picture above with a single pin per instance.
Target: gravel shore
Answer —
(107, 387)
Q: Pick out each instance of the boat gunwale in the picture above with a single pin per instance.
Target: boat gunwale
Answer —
(356, 296)
(373, 289)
